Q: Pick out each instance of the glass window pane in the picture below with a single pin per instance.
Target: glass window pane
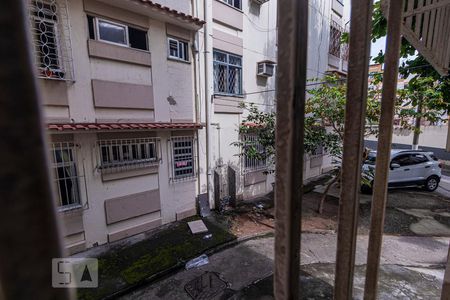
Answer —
(173, 48)
(112, 32)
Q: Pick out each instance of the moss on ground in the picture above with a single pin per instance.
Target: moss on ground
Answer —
(167, 249)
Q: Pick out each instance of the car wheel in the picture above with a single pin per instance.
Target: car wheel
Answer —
(366, 189)
(432, 183)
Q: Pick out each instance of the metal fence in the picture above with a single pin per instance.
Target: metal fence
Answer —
(250, 163)
(183, 158)
(65, 174)
(118, 155)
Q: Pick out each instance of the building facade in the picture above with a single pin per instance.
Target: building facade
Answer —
(243, 43)
(142, 102)
(119, 100)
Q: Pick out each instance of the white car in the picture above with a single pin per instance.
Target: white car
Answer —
(407, 168)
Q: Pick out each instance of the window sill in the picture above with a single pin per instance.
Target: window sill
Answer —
(128, 173)
(69, 208)
(224, 95)
(104, 50)
(179, 60)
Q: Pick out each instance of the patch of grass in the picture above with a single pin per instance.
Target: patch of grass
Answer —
(170, 248)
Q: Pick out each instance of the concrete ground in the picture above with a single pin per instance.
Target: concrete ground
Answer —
(412, 267)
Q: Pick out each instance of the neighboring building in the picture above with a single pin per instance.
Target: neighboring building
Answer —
(244, 47)
(127, 87)
(118, 91)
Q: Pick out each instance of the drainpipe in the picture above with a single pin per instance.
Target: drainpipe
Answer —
(207, 6)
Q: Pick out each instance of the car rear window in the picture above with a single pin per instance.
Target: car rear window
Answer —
(434, 157)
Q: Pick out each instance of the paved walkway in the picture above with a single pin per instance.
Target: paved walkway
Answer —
(242, 265)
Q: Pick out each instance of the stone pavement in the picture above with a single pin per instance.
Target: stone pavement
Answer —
(412, 267)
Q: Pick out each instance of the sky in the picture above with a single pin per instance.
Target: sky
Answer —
(378, 45)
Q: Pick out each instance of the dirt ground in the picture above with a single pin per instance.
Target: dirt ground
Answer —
(408, 212)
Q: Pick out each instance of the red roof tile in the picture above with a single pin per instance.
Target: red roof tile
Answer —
(172, 12)
(120, 126)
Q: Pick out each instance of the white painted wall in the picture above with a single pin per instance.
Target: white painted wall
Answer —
(168, 78)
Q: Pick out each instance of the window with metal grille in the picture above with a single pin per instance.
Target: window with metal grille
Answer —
(183, 157)
(126, 154)
(65, 175)
(235, 3)
(177, 49)
(250, 162)
(51, 38)
(335, 39)
(227, 73)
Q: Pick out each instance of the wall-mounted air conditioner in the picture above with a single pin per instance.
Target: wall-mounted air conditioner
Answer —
(266, 68)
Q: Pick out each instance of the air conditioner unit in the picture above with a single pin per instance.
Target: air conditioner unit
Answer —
(266, 68)
(260, 2)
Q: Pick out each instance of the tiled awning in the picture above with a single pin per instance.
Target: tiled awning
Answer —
(70, 127)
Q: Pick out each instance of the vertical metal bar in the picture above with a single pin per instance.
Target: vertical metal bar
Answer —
(360, 29)
(446, 285)
(291, 87)
(28, 226)
(388, 98)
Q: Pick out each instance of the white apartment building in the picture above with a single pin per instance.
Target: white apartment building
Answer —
(243, 41)
(118, 94)
(141, 101)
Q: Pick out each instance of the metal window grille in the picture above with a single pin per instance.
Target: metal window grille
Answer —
(251, 163)
(335, 39)
(119, 155)
(178, 49)
(227, 73)
(65, 174)
(235, 3)
(50, 27)
(183, 158)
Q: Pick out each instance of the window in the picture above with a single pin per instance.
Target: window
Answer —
(410, 159)
(112, 32)
(64, 170)
(178, 49)
(117, 33)
(126, 154)
(183, 158)
(253, 163)
(235, 3)
(45, 35)
(227, 73)
(335, 39)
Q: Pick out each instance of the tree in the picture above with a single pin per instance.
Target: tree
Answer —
(424, 78)
(324, 126)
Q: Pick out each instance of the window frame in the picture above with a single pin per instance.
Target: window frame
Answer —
(227, 64)
(181, 44)
(97, 31)
(227, 2)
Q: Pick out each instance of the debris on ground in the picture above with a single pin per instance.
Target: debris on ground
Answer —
(207, 236)
(197, 227)
(197, 262)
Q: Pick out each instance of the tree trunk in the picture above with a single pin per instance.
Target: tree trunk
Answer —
(415, 144)
(325, 193)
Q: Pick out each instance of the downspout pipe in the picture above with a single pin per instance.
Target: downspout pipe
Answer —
(207, 6)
